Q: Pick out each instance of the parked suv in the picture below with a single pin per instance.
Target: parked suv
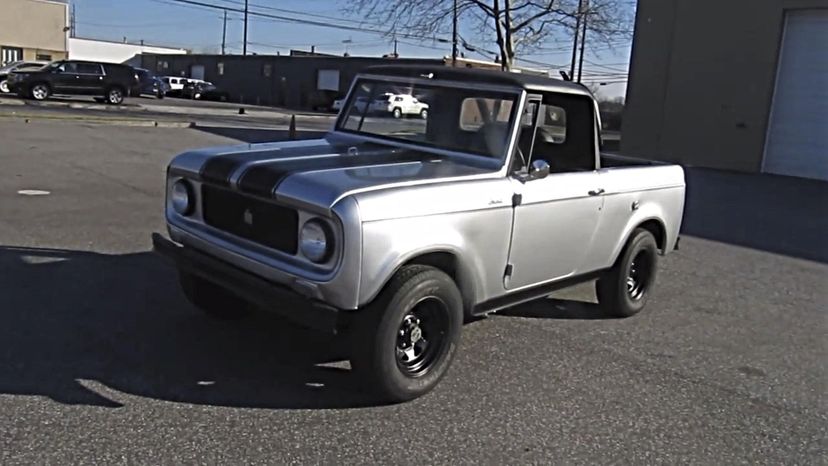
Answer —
(73, 77)
(149, 84)
(399, 105)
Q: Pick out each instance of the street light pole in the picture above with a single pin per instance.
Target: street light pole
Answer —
(244, 47)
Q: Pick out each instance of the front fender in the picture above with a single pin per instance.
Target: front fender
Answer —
(478, 240)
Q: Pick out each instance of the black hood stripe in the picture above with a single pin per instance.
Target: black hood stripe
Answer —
(218, 169)
(262, 180)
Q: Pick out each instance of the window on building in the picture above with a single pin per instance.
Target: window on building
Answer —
(220, 68)
(43, 57)
(267, 70)
(10, 54)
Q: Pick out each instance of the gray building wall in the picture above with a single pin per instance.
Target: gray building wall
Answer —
(292, 81)
(702, 76)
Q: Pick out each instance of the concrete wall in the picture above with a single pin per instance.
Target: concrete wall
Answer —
(36, 26)
(114, 52)
(701, 80)
(292, 81)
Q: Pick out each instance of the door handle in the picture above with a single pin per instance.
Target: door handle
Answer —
(596, 192)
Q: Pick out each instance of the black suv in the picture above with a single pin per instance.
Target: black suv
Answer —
(73, 77)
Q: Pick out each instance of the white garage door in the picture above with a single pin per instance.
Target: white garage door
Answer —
(797, 142)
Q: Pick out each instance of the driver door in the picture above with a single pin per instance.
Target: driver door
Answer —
(555, 216)
(66, 79)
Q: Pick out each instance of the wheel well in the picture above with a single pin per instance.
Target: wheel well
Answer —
(657, 229)
(444, 261)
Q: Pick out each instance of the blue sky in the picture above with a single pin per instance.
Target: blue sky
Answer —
(162, 22)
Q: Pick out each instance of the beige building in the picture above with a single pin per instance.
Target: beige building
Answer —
(33, 30)
(736, 85)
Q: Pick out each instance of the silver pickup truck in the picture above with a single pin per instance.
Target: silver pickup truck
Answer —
(394, 230)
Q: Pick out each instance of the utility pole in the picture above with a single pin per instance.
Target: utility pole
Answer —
(583, 41)
(244, 47)
(224, 33)
(575, 39)
(72, 22)
(395, 48)
(454, 35)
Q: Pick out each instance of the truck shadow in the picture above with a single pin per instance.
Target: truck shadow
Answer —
(80, 327)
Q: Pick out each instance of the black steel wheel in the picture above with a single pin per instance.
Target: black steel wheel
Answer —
(624, 290)
(421, 337)
(405, 341)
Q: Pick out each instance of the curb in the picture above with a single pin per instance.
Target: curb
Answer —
(102, 121)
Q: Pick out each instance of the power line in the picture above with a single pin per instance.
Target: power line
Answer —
(302, 21)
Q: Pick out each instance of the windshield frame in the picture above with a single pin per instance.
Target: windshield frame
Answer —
(490, 162)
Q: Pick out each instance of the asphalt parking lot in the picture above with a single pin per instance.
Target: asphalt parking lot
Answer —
(102, 359)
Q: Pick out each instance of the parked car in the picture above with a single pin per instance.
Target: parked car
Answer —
(337, 104)
(203, 90)
(390, 232)
(176, 85)
(74, 77)
(149, 84)
(399, 105)
(16, 66)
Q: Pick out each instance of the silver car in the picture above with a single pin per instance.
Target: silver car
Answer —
(395, 230)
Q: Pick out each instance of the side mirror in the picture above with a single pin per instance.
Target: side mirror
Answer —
(539, 169)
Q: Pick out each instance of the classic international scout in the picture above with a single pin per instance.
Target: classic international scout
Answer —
(393, 230)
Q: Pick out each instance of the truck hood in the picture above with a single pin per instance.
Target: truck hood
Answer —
(319, 172)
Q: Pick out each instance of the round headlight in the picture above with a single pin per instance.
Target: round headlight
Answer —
(315, 241)
(181, 197)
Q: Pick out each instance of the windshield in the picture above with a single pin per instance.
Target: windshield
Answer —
(53, 65)
(451, 118)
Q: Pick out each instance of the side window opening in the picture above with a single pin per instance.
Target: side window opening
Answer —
(564, 135)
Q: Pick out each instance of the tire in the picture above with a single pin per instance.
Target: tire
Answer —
(623, 291)
(114, 96)
(4, 86)
(405, 341)
(424, 114)
(212, 299)
(40, 91)
(397, 113)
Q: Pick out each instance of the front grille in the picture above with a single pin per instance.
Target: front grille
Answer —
(265, 223)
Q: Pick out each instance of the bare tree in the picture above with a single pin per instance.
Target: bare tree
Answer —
(517, 25)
